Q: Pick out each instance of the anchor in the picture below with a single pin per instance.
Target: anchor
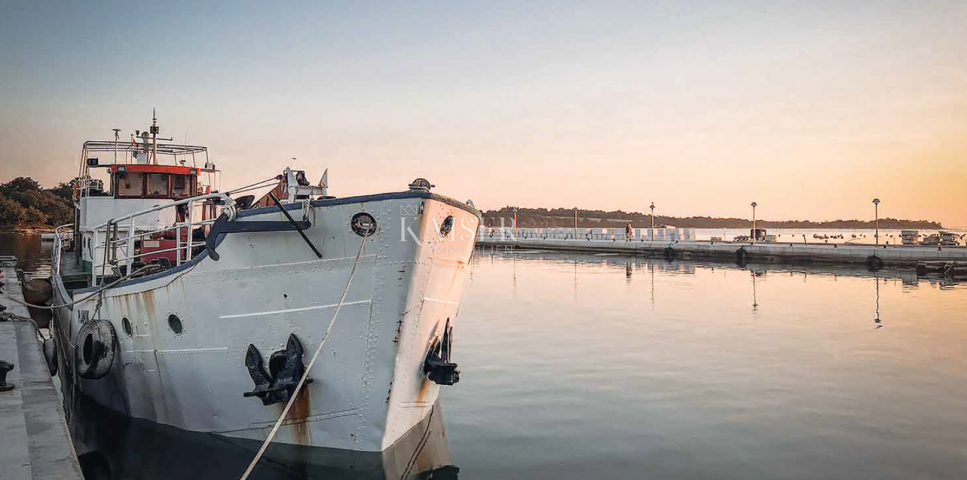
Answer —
(277, 384)
(437, 366)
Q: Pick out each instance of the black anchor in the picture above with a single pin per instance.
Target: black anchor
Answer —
(277, 384)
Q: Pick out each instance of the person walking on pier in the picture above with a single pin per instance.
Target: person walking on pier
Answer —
(629, 232)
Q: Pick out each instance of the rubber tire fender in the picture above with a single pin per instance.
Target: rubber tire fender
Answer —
(669, 253)
(96, 347)
(874, 263)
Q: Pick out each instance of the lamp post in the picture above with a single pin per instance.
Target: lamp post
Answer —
(652, 207)
(515, 222)
(876, 224)
(754, 235)
(575, 222)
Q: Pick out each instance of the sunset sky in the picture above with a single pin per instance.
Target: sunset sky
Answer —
(809, 108)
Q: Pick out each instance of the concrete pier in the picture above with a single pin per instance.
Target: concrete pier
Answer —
(34, 441)
(780, 252)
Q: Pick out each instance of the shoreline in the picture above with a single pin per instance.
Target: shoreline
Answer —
(25, 230)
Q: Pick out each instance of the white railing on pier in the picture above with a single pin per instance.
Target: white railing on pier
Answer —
(662, 234)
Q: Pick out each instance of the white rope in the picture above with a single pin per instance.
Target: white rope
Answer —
(305, 374)
(255, 186)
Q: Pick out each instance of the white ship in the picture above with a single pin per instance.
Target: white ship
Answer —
(200, 309)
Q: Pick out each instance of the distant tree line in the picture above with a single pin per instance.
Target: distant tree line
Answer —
(24, 203)
(564, 217)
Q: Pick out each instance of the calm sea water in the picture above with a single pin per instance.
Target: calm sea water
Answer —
(581, 366)
(33, 255)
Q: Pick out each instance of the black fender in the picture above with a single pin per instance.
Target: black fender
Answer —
(95, 349)
(741, 255)
(50, 355)
(873, 263)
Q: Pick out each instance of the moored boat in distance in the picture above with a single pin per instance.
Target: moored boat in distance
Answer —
(185, 305)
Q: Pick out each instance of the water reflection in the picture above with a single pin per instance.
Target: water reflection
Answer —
(617, 381)
(876, 319)
(111, 446)
(33, 255)
(755, 298)
(629, 263)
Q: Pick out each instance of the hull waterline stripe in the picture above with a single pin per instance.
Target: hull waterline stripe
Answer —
(292, 310)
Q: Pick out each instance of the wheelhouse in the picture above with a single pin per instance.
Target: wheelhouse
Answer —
(154, 181)
(166, 193)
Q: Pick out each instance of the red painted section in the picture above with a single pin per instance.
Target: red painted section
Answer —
(281, 192)
(151, 245)
(175, 169)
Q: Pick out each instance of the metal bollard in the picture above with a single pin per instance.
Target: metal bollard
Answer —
(5, 367)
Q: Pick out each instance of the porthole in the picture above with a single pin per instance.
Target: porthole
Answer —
(174, 323)
(447, 226)
(126, 326)
(363, 224)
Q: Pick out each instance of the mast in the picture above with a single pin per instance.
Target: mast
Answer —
(154, 133)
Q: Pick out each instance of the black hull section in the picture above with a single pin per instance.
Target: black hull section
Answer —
(114, 446)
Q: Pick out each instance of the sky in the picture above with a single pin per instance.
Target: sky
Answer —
(811, 109)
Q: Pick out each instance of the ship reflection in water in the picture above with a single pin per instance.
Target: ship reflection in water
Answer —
(104, 440)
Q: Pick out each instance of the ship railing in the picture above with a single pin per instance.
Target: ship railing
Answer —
(58, 248)
(116, 250)
(121, 242)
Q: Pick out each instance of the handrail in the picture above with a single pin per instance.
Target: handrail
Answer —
(229, 207)
(127, 146)
(58, 248)
(126, 245)
(155, 252)
(160, 230)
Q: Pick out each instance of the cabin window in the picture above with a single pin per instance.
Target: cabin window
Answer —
(129, 184)
(181, 186)
(157, 185)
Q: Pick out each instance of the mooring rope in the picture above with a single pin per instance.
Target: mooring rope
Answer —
(96, 292)
(255, 186)
(75, 302)
(305, 374)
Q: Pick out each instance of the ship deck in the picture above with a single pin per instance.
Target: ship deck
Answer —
(72, 271)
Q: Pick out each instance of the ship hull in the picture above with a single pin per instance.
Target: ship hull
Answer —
(101, 439)
(182, 335)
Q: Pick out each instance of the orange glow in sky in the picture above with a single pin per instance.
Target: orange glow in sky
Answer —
(810, 109)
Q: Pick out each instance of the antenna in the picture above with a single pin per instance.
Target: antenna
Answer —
(154, 133)
(117, 132)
